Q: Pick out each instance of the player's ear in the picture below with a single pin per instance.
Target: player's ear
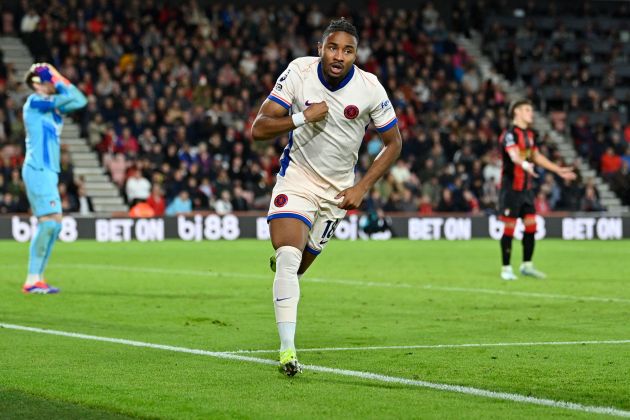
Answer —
(319, 48)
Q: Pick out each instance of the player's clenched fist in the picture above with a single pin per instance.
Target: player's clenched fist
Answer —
(316, 112)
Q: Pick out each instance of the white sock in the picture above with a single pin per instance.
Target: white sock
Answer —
(286, 293)
(287, 335)
(528, 264)
(31, 279)
(507, 268)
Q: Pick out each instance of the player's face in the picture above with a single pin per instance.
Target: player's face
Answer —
(338, 53)
(44, 89)
(525, 113)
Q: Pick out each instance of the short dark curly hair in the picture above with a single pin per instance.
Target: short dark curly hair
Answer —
(341, 25)
(517, 104)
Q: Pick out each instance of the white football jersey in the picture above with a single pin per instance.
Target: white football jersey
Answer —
(329, 149)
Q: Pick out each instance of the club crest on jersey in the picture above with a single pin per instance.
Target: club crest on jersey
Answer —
(351, 112)
(281, 200)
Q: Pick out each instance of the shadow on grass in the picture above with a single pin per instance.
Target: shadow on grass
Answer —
(18, 405)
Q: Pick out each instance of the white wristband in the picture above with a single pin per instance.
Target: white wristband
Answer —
(526, 165)
(298, 119)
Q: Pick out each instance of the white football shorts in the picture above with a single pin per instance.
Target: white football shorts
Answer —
(301, 196)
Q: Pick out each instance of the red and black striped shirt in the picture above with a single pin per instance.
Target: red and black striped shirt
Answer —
(526, 142)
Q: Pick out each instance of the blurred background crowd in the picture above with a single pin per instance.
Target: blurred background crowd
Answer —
(173, 88)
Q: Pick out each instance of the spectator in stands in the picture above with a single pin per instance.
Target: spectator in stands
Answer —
(408, 202)
(142, 209)
(169, 93)
(117, 169)
(85, 206)
(157, 201)
(224, 204)
(610, 163)
(590, 201)
(9, 203)
(137, 187)
(181, 204)
(541, 204)
(240, 202)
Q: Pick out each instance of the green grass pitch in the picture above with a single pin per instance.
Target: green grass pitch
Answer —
(217, 296)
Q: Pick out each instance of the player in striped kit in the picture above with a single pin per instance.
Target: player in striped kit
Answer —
(325, 103)
(519, 148)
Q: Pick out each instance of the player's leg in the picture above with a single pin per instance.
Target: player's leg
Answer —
(508, 212)
(55, 222)
(509, 224)
(291, 214)
(529, 241)
(288, 237)
(308, 258)
(46, 205)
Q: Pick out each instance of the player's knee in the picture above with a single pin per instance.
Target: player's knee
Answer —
(530, 224)
(288, 258)
(509, 226)
(54, 217)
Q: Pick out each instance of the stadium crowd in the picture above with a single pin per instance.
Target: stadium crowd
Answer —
(576, 64)
(173, 91)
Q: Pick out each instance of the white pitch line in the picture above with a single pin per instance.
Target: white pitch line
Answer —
(347, 282)
(446, 346)
(478, 392)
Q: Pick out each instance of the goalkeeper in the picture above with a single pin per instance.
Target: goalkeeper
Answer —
(43, 113)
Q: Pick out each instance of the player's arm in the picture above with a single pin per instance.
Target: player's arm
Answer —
(353, 196)
(67, 97)
(74, 98)
(512, 150)
(563, 172)
(77, 99)
(273, 119)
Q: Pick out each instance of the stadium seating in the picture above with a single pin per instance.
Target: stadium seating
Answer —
(579, 69)
(173, 95)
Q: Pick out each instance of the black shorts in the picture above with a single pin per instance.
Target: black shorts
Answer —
(515, 204)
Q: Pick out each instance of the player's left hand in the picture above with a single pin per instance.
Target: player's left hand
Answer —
(567, 174)
(352, 197)
(56, 76)
(44, 73)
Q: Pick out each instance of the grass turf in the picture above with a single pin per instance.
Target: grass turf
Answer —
(217, 296)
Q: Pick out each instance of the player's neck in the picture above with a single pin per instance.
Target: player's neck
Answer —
(334, 82)
(521, 125)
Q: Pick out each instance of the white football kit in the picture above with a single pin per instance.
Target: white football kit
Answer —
(320, 158)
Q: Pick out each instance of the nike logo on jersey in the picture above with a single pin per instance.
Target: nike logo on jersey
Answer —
(281, 299)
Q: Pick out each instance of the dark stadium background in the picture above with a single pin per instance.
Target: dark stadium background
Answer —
(447, 159)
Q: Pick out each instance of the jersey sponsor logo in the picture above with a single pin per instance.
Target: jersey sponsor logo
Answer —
(284, 76)
(281, 200)
(386, 104)
(351, 112)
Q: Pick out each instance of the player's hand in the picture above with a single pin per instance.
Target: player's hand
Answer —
(567, 174)
(352, 197)
(56, 76)
(316, 112)
(44, 73)
(530, 169)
